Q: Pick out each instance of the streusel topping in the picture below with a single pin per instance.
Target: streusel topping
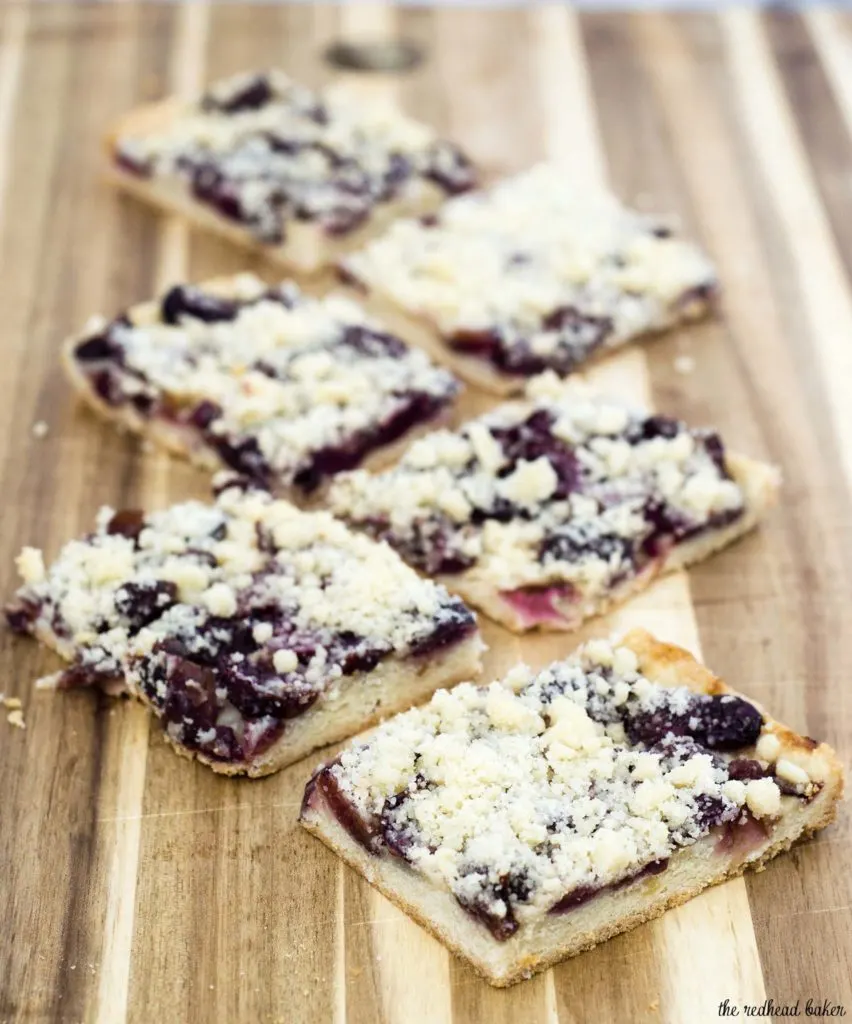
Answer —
(516, 795)
(536, 273)
(281, 386)
(230, 617)
(566, 486)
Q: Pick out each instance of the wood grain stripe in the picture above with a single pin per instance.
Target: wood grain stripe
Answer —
(15, 22)
(131, 757)
(685, 68)
(825, 134)
(776, 145)
(666, 608)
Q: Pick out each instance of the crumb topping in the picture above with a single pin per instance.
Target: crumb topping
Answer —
(565, 487)
(264, 150)
(536, 272)
(231, 617)
(515, 796)
(278, 385)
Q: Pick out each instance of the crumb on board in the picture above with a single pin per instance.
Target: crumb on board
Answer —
(16, 718)
(16, 715)
(50, 682)
(40, 429)
(684, 364)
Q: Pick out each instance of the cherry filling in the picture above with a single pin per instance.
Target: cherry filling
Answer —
(184, 300)
(537, 605)
(716, 722)
(415, 407)
(253, 95)
(514, 887)
(583, 893)
(576, 336)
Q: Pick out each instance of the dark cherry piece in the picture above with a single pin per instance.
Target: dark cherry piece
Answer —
(716, 722)
(360, 830)
(184, 300)
(256, 93)
(129, 522)
(142, 603)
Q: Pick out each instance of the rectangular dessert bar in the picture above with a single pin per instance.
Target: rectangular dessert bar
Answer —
(263, 380)
(546, 511)
(534, 274)
(303, 176)
(255, 632)
(526, 821)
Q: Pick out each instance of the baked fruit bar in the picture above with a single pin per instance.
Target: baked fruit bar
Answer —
(263, 380)
(303, 176)
(535, 274)
(529, 820)
(254, 631)
(546, 511)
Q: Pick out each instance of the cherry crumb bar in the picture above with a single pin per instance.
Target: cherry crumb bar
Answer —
(263, 380)
(546, 511)
(302, 175)
(254, 631)
(526, 821)
(535, 274)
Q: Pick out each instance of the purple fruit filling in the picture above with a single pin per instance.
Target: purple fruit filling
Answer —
(184, 300)
(575, 337)
(414, 408)
(716, 722)
(253, 95)
(583, 893)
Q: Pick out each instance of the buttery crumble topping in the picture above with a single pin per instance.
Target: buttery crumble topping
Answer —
(277, 385)
(529, 795)
(536, 273)
(565, 487)
(264, 150)
(232, 617)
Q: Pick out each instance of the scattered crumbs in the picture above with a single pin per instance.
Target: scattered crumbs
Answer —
(16, 715)
(40, 429)
(50, 682)
(73, 967)
(684, 364)
(211, 988)
(654, 1004)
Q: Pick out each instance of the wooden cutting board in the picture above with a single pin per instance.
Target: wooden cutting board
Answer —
(136, 886)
